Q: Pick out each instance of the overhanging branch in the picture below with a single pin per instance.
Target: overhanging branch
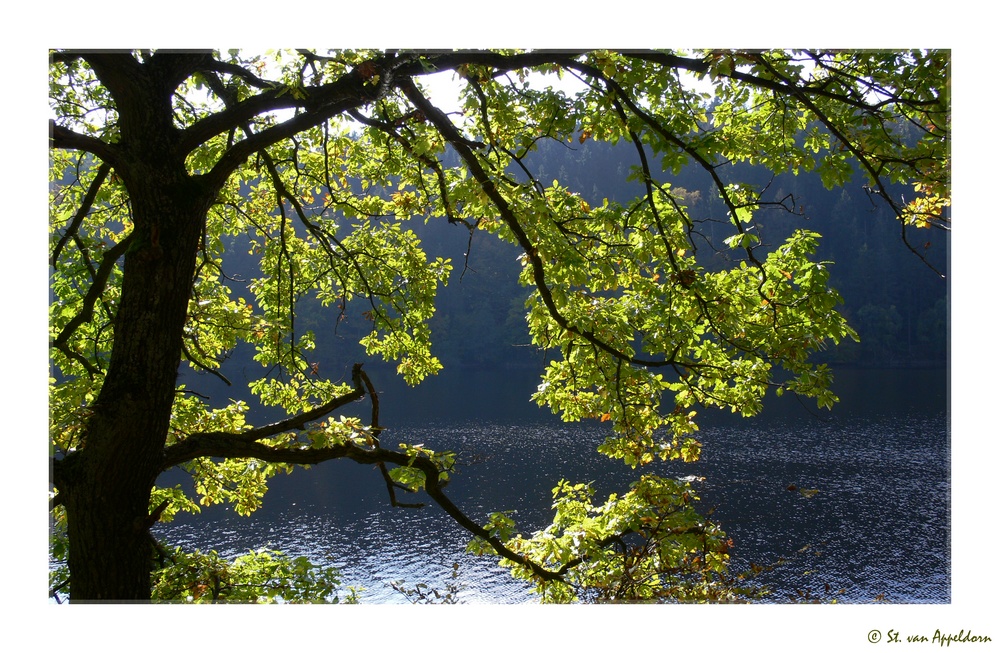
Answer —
(234, 445)
(226, 445)
(247, 445)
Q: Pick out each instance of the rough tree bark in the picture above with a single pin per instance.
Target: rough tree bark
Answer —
(106, 488)
(106, 485)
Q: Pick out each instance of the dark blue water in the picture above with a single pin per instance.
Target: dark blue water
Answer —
(877, 526)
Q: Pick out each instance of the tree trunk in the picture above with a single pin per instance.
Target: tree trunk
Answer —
(107, 484)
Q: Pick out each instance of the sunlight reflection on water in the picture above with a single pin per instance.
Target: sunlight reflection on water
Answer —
(878, 525)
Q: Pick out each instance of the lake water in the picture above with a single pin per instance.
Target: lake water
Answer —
(877, 529)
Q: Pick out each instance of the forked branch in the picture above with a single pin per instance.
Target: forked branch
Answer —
(247, 445)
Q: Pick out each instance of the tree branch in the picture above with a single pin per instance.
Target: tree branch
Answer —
(318, 104)
(64, 138)
(110, 259)
(245, 445)
(227, 445)
(202, 366)
(242, 150)
(218, 443)
(390, 485)
(461, 145)
(118, 70)
(866, 162)
(321, 103)
(239, 71)
(784, 86)
(81, 213)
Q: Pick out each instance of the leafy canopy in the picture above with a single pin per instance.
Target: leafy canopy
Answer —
(652, 313)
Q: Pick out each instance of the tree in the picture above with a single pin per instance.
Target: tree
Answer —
(160, 159)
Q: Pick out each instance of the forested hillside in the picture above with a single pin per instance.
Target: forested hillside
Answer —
(893, 298)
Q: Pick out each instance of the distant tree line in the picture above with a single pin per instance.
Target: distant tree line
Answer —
(895, 301)
(893, 298)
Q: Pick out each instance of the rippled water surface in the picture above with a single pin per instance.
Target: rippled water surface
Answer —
(877, 527)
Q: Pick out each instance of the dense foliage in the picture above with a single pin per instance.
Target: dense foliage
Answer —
(892, 299)
(321, 168)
